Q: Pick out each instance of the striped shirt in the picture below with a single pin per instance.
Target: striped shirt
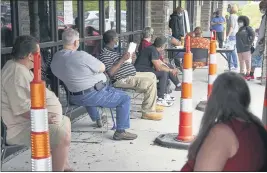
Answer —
(110, 57)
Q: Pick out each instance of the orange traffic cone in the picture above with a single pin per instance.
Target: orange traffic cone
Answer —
(40, 146)
(212, 70)
(186, 106)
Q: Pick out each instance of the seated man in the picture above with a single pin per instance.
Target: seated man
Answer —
(124, 75)
(148, 61)
(84, 78)
(197, 41)
(16, 104)
(146, 42)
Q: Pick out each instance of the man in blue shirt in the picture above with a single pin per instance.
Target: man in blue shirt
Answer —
(217, 23)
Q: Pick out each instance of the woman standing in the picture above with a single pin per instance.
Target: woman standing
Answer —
(244, 40)
(232, 28)
(217, 23)
(230, 137)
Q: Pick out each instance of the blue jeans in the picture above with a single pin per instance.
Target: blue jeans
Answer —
(108, 97)
(232, 56)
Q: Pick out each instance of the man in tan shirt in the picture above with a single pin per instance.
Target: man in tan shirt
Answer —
(16, 103)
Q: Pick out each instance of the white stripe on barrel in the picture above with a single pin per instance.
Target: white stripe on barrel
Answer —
(212, 78)
(213, 59)
(41, 165)
(39, 120)
(187, 75)
(186, 105)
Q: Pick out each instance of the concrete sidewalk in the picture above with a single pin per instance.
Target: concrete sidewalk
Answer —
(92, 151)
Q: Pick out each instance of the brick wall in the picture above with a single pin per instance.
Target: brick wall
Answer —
(157, 15)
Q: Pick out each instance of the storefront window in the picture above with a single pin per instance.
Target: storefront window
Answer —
(110, 15)
(6, 26)
(125, 16)
(66, 15)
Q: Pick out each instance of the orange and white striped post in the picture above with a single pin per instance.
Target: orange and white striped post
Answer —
(264, 113)
(212, 70)
(186, 106)
(185, 132)
(40, 146)
(212, 63)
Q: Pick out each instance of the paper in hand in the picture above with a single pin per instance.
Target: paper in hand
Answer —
(131, 50)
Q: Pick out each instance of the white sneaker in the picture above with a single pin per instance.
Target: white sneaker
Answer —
(163, 102)
(167, 97)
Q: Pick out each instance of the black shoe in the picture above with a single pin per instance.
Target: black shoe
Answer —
(124, 136)
(100, 123)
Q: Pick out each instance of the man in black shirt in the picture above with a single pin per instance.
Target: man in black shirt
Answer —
(149, 61)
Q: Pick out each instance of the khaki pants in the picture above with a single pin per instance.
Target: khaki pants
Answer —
(245, 61)
(145, 82)
(56, 132)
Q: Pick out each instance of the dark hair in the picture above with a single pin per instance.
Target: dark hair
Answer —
(23, 46)
(243, 19)
(230, 98)
(109, 36)
(160, 41)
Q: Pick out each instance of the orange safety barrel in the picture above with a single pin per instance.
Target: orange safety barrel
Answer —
(40, 145)
(186, 105)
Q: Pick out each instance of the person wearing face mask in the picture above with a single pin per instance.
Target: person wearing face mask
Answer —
(244, 40)
(232, 29)
(257, 56)
(217, 23)
(87, 84)
(16, 104)
(176, 23)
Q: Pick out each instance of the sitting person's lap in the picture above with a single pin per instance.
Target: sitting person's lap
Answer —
(56, 133)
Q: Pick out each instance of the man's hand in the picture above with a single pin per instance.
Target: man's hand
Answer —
(52, 118)
(126, 56)
(174, 71)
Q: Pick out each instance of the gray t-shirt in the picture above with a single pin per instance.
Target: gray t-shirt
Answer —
(77, 69)
(232, 22)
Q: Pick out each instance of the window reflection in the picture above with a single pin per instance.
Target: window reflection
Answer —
(110, 15)
(6, 27)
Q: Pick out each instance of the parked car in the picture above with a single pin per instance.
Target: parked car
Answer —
(91, 14)
(95, 24)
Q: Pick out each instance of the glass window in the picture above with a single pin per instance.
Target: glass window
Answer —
(110, 15)
(91, 18)
(137, 22)
(66, 15)
(125, 16)
(6, 26)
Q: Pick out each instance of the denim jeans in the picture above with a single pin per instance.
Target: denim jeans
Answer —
(108, 97)
(232, 56)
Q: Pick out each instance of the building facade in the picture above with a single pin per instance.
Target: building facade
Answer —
(46, 20)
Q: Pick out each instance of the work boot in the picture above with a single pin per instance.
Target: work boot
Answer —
(159, 108)
(123, 135)
(152, 116)
(102, 121)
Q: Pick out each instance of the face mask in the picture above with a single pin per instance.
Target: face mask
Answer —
(263, 11)
(180, 14)
(228, 10)
(240, 24)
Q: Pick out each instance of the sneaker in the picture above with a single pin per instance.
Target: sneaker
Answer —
(247, 77)
(163, 102)
(152, 116)
(178, 87)
(124, 136)
(101, 122)
(159, 108)
(167, 97)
